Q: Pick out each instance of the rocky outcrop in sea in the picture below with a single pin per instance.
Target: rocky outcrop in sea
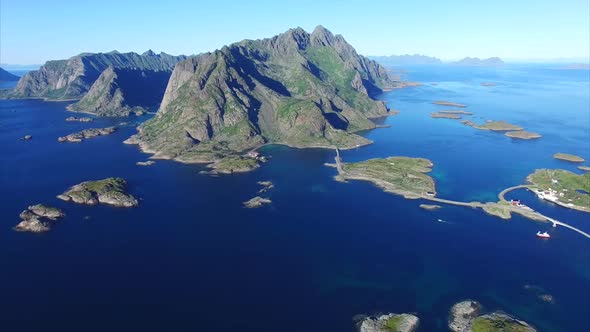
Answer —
(110, 191)
(390, 323)
(86, 133)
(38, 218)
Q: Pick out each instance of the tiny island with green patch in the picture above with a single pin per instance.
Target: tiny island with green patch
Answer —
(111, 191)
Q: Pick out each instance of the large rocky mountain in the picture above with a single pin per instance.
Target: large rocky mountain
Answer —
(296, 88)
(117, 74)
(6, 76)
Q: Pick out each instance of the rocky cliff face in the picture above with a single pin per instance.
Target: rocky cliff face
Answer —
(296, 88)
(119, 92)
(74, 78)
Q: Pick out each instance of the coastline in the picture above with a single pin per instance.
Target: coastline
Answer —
(499, 209)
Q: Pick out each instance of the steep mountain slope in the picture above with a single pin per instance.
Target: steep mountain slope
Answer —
(119, 92)
(296, 88)
(6, 76)
(74, 77)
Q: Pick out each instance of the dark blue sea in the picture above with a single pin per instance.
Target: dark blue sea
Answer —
(191, 258)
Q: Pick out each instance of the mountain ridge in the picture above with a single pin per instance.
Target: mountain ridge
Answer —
(73, 78)
(297, 88)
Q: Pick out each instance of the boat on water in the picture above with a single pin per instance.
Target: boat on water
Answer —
(543, 235)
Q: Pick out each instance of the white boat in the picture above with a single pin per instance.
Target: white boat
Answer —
(543, 235)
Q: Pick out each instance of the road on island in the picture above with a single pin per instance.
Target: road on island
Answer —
(525, 213)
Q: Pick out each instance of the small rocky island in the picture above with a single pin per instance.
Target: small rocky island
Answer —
(442, 115)
(76, 119)
(399, 175)
(37, 218)
(256, 202)
(448, 103)
(510, 130)
(523, 134)
(266, 186)
(456, 112)
(465, 317)
(584, 168)
(499, 126)
(430, 207)
(86, 133)
(145, 163)
(234, 164)
(390, 323)
(111, 191)
(568, 157)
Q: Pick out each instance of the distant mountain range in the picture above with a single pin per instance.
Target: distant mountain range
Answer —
(107, 83)
(489, 62)
(407, 59)
(418, 59)
(6, 76)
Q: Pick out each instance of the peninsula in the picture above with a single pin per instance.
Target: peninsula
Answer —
(297, 88)
(110, 191)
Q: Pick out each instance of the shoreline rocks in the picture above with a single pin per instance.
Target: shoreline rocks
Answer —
(390, 323)
(256, 202)
(36, 218)
(86, 133)
(111, 191)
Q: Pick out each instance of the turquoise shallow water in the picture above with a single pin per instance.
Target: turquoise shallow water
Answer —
(191, 258)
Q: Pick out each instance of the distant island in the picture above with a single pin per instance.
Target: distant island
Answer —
(406, 59)
(297, 88)
(106, 84)
(489, 62)
(568, 157)
(7, 77)
(575, 66)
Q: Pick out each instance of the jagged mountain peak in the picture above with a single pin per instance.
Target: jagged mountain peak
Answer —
(298, 88)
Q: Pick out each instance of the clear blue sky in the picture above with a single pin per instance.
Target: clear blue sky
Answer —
(36, 31)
